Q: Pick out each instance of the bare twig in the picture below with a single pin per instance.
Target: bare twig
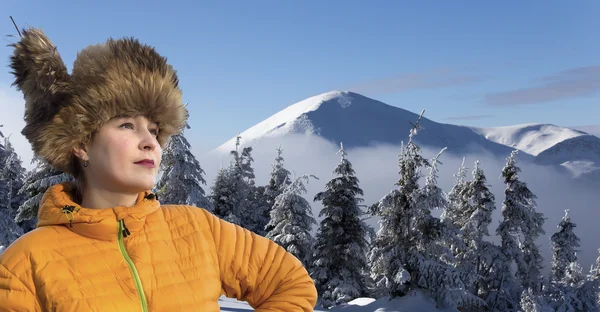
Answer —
(17, 28)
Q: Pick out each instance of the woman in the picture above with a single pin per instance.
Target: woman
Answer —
(105, 243)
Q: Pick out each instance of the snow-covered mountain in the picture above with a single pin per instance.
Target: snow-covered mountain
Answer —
(357, 121)
(530, 138)
(574, 150)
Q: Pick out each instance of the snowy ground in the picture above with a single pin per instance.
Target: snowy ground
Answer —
(416, 302)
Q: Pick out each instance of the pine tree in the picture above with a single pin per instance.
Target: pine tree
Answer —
(278, 181)
(497, 284)
(261, 215)
(455, 212)
(13, 173)
(589, 290)
(520, 227)
(436, 269)
(564, 248)
(11, 177)
(233, 188)
(9, 229)
(477, 205)
(391, 252)
(570, 289)
(408, 251)
(182, 176)
(291, 221)
(36, 183)
(533, 302)
(223, 193)
(339, 265)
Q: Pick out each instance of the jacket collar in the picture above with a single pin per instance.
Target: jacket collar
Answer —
(58, 208)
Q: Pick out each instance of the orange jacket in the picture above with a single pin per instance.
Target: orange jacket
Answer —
(146, 257)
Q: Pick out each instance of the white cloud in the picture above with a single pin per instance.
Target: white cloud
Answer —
(377, 169)
(12, 108)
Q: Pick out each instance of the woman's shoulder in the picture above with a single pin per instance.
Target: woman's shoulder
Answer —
(193, 213)
(38, 240)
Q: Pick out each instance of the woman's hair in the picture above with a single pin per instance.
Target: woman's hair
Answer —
(78, 180)
(78, 174)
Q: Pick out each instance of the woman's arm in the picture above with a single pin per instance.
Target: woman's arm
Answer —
(257, 270)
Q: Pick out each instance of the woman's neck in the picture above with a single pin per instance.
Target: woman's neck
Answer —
(100, 198)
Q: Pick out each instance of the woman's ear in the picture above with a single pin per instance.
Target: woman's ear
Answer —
(81, 152)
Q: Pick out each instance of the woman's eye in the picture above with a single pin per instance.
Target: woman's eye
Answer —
(127, 125)
(154, 131)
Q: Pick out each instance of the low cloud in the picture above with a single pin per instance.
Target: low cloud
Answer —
(377, 169)
(572, 83)
(409, 81)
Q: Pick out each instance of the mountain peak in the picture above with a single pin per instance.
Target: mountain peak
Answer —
(358, 121)
(299, 117)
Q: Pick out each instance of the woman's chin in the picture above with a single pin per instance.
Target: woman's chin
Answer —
(140, 186)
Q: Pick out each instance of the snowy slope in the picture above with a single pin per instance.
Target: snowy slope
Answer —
(355, 120)
(530, 138)
(575, 150)
(359, 121)
(414, 302)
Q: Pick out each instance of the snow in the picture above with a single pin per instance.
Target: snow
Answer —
(530, 138)
(359, 121)
(282, 121)
(414, 302)
(579, 167)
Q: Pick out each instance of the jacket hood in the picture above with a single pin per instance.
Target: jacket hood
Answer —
(58, 208)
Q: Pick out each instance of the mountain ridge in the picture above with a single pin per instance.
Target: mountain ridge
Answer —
(358, 121)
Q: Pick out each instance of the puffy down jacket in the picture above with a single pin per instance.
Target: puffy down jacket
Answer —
(146, 257)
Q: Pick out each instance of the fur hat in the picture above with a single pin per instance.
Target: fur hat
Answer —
(113, 79)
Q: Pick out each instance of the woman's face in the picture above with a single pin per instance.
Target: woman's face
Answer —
(124, 156)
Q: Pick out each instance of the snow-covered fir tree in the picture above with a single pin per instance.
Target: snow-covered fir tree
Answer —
(497, 284)
(469, 211)
(36, 183)
(292, 220)
(475, 204)
(389, 256)
(520, 228)
(339, 264)
(534, 302)
(588, 291)
(436, 269)
(11, 177)
(569, 288)
(407, 251)
(223, 193)
(13, 173)
(181, 175)
(564, 248)
(455, 212)
(279, 179)
(233, 188)
(262, 209)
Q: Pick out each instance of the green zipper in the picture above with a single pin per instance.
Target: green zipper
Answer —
(136, 277)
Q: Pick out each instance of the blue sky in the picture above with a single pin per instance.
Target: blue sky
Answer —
(466, 62)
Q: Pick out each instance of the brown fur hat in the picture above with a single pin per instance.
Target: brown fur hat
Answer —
(113, 79)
